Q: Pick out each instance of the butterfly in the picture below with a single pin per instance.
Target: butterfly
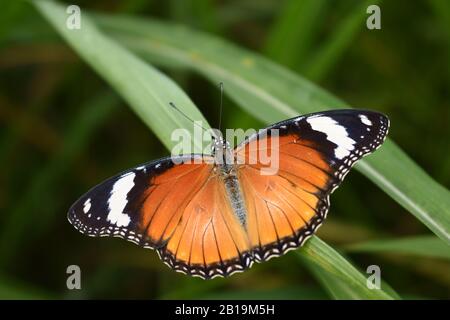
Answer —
(209, 215)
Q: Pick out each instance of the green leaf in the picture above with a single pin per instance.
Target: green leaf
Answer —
(424, 246)
(340, 277)
(315, 250)
(272, 93)
(198, 13)
(335, 287)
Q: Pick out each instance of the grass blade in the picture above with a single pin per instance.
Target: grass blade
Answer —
(336, 289)
(423, 246)
(198, 13)
(340, 277)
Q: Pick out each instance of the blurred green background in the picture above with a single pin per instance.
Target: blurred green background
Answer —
(64, 129)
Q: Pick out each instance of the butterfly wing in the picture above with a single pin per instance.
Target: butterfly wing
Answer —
(174, 205)
(315, 152)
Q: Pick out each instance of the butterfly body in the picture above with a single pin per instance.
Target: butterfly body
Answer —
(214, 215)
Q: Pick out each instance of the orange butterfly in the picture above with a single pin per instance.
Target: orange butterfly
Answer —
(211, 215)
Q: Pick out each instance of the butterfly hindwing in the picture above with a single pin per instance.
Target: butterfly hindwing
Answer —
(209, 241)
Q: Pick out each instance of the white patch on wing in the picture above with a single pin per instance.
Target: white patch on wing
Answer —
(365, 120)
(87, 205)
(335, 133)
(118, 200)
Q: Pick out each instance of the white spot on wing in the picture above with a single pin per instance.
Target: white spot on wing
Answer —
(335, 133)
(118, 200)
(87, 205)
(365, 120)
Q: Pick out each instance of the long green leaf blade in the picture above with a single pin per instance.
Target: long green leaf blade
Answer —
(347, 281)
(423, 246)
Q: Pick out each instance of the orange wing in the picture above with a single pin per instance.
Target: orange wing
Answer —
(314, 154)
(179, 209)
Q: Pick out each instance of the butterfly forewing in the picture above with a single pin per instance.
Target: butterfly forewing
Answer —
(134, 204)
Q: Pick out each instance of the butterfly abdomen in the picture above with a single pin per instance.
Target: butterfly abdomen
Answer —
(236, 198)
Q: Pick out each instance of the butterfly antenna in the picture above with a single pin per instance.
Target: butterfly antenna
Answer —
(187, 117)
(221, 105)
